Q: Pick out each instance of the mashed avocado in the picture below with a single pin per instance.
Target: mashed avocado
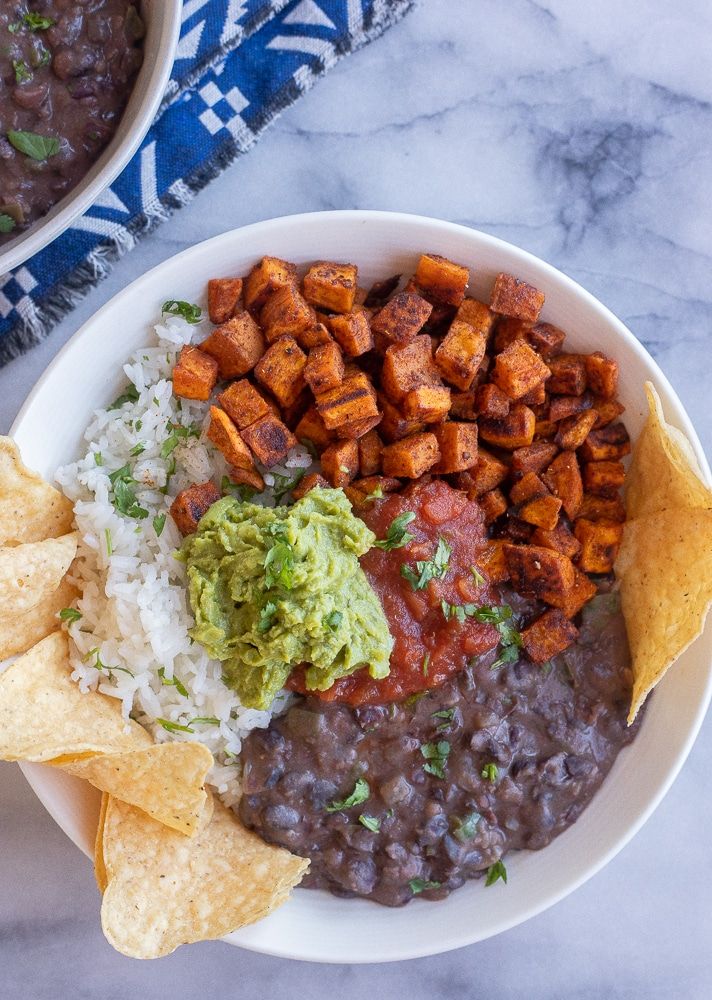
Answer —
(273, 588)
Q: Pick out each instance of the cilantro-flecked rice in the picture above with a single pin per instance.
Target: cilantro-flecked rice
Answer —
(131, 641)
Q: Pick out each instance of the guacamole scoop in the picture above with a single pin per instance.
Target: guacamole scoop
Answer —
(272, 588)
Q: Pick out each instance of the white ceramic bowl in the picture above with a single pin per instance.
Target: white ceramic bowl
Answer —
(314, 925)
(163, 20)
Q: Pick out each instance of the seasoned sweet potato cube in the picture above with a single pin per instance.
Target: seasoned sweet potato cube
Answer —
(339, 463)
(513, 297)
(190, 505)
(244, 404)
(281, 370)
(223, 298)
(547, 340)
(487, 474)
(381, 291)
(271, 273)
(310, 482)
(269, 439)
(441, 279)
(247, 477)
(603, 478)
(573, 431)
(352, 332)
(581, 593)
(370, 449)
(507, 331)
(542, 573)
(356, 429)
(407, 366)
(286, 314)
(458, 446)
(568, 375)
(429, 404)
(394, 426)
(354, 399)
(331, 286)
(544, 429)
(226, 438)
(292, 414)
(595, 508)
(237, 346)
(411, 457)
(541, 511)
(195, 374)
(494, 504)
(402, 318)
(516, 430)
(324, 368)
(563, 477)
(608, 444)
(533, 458)
(460, 354)
(561, 407)
(312, 428)
(314, 336)
(516, 530)
(477, 314)
(536, 396)
(490, 401)
(559, 538)
(601, 374)
(490, 561)
(608, 410)
(549, 635)
(518, 370)
(529, 486)
(600, 541)
(369, 484)
(462, 405)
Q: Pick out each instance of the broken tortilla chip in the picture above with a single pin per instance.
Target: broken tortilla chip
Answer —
(30, 509)
(19, 632)
(30, 572)
(166, 781)
(99, 866)
(44, 715)
(165, 889)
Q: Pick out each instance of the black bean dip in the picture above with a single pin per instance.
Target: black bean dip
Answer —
(515, 754)
(67, 68)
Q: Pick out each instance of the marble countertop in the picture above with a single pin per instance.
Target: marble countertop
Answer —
(582, 132)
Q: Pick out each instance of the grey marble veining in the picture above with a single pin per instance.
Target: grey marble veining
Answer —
(583, 132)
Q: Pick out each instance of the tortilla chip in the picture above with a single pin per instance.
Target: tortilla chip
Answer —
(18, 633)
(166, 781)
(30, 509)
(32, 571)
(165, 889)
(99, 866)
(44, 715)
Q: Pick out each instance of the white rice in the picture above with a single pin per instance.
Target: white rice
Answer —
(134, 604)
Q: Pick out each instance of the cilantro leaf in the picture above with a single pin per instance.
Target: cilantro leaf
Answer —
(397, 536)
(436, 755)
(465, 827)
(371, 823)
(333, 620)
(434, 569)
(418, 885)
(187, 310)
(23, 73)
(69, 615)
(7, 223)
(267, 617)
(159, 523)
(279, 565)
(172, 682)
(490, 772)
(285, 484)
(130, 396)
(37, 147)
(37, 22)
(174, 727)
(360, 793)
(495, 872)
(124, 499)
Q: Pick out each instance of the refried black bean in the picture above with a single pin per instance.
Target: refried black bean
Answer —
(67, 68)
(524, 750)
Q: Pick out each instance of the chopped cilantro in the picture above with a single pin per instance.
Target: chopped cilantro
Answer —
(360, 793)
(495, 872)
(479, 579)
(465, 827)
(172, 682)
(446, 716)
(130, 396)
(125, 494)
(174, 727)
(490, 772)
(188, 310)
(37, 22)
(206, 720)
(426, 664)
(397, 536)
(241, 491)
(267, 616)
(159, 523)
(137, 449)
(376, 494)
(98, 458)
(434, 569)
(69, 615)
(285, 484)
(509, 654)
(371, 823)
(107, 538)
(333, 620)
(436, 755)
(170, 469)
(7, 223)
(418, 885)
(23, 73)
(279, 562)
(37, 147)
(99, 665)
(310, 447)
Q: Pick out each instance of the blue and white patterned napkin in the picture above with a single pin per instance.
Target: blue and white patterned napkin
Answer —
(239, 64)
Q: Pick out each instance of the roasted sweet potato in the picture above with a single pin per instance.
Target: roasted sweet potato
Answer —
(517, 531)
(352, 332)
(195, 375)
(269, 439)
(429, 404)
(407, 366)
(411, 457)
(244, 404)
(547, 340)
(226, 438)
(518, 370)
(600, 541)
(581, 593)
(534, 458)
(354, 399)
(311, 481)
(507, 331)
(494, 504)
(460, 354)
(542, 573)
(324, 368)
(568, 375)
(370, 449)
(312, 428)
(603, 478)
(490, 561)
(190, 505)
(286, 314)
(314, 336)
(541, 511)
(609, 444)
(281, 370)
(331, 286)
(237, 346)
(549, 635)
(477, 314)
(402, 318)
(381, 291)
(563, 477)
(487, 474)
(356, 429)
(441, 280)
(536, 397)
(559, 538)
(394, 426)
(561, 407)
(458, 446)
(247, 477)
(527, 487)
(608, 410)
(544, 429)
(223, 298)
(271, 273)
(573, 431)
(516, 430)
(513, 297)
(595, 508)
(601, 374)
(462, 405)
(339, 463)
(371, 484)
(490, 401)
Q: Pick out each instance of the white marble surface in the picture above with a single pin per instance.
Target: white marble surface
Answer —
(583, 132)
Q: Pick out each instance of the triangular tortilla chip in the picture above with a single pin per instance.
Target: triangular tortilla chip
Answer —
(30, 572)
(30, 509)
(18, 633)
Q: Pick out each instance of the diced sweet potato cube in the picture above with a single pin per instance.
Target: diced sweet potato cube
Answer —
(331, 286)
(494, 504)
(487, 474)
(563, 477)
(314, 336)
(356, 429)
(603, 478)
(548, 636)
(312, 428)
(610, 443)
(536, 396)
(190, 505)
(310, 482)
(608, 410)
(460, 354)
(441, 279)
(339, 463)
(462, 405)
(518, 370)
(286, 314)
(237, 346)
(403, 317)
(537, 572)
(394, 426)
(458, 446)
(581, 593)
(516, 430)
(477, 314)
(223, 298)
(429, 404)
(544, 429)
(561, 407)
(226, 438)
(490, 401)
(354, 399)
(408, 366)
(547, 340)
(533, 458)
(516, 530)
(352, 332)
(247, 477)
(573, 431)
(600, 541)
(292, 414)
(542, 511)
(195, 374)
(595, 508)
(601, 374)
(243, 403)
(513, 297)
(386, 484)
(490, 561)
(507, 331)
(269, 439)
(568, 375)
(529, 486)
(381, 291)
(271, 273)
(324, 368)
(281, 370)
(411, 457)
(370, 449)
(559, 538)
